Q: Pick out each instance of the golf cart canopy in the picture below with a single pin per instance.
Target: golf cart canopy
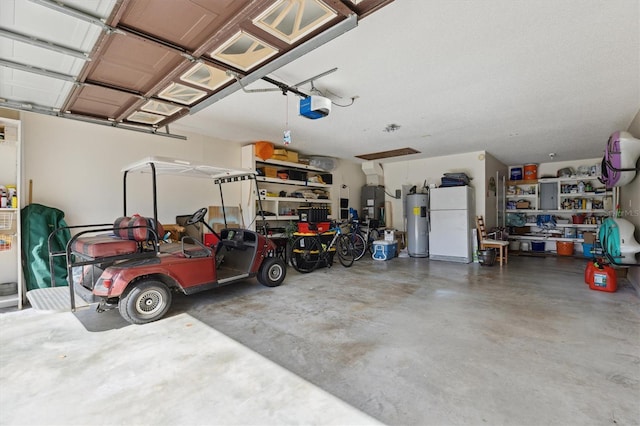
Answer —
(174, 166)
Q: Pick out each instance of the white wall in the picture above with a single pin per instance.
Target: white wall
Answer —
(630, 203)
(349, 175)
(76, 167)
(551, 169)
(495, 170)
(416, 172)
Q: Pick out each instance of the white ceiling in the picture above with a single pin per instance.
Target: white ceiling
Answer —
(519, 79)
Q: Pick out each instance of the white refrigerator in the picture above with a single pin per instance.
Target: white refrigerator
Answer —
(452, 217)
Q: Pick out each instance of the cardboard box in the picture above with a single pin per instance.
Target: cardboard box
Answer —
(589, 237)
(280, 154)
(292, 156)
(220, 226)
(520, 230)
(522, 204)
(268, 171)
(175, 231)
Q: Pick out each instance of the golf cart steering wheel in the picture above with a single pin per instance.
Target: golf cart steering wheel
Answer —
(197, 216)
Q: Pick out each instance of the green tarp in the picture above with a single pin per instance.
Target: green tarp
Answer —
(38, 222)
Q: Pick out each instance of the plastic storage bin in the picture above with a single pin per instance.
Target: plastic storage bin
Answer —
(537, 246)
(564, 248)
(313, 228)
(586, 250)
(384, 250)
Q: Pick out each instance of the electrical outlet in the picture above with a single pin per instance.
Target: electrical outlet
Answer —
(398, 193)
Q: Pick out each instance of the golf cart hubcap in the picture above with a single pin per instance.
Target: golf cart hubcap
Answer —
(275, 272)
(149, 302)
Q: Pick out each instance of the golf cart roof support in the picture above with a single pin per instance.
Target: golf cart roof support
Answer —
(155, 192)
(260, 203)
(174, 166)
(224, 214)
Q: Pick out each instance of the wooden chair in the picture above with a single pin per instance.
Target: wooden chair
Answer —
(486, 243)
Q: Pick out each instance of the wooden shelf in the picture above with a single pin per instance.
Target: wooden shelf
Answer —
(544, 238)
(290, 165)
(584, 194)
(522, 195)
(297, 200)
(292, 182)
(522, 182)
(599, 211)
(568, 225)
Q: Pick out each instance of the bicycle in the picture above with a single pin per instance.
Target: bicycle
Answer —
(363, 241)
(308, 251)
(372, 234)
(357, 238)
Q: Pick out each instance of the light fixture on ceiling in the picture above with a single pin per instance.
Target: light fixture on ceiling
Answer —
(388, 154)
(391, 128)
(552, 156)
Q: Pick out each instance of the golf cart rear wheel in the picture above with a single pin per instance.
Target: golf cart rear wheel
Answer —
(147, 301)
(272, 272)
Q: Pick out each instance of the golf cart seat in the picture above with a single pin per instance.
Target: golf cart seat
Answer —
(128, 237)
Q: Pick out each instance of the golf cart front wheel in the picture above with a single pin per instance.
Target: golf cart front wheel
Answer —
(272, 272)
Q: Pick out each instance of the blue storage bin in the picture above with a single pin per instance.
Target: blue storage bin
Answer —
(586, 250)
(384, 250)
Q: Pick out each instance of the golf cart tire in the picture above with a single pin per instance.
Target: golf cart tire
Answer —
(272, 272)
(146, 301)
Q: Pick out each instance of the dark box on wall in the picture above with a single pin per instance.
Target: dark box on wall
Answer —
(327, 178)
(313, 214)
(297, 175)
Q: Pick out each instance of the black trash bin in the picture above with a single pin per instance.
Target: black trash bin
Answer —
(487, 257)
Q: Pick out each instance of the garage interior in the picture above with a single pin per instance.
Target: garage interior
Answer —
(416, 90)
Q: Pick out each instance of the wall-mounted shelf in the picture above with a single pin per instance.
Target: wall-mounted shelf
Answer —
(302, 180)
(10, 218)
(559, 197)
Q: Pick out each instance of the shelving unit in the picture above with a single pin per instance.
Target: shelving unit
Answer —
(10, 240)
(276, 197)
(569, 197)
(523, 191)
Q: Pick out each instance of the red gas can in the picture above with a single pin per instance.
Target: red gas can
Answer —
(604, 279)
(588, 271)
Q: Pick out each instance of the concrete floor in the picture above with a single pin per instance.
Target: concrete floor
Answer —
(404, 342)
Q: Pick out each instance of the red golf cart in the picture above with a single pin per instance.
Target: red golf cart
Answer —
(129, 265)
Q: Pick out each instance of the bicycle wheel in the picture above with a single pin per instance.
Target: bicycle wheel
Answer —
(359, 245)
(373, 236)
(305, 253)
(345, 251)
